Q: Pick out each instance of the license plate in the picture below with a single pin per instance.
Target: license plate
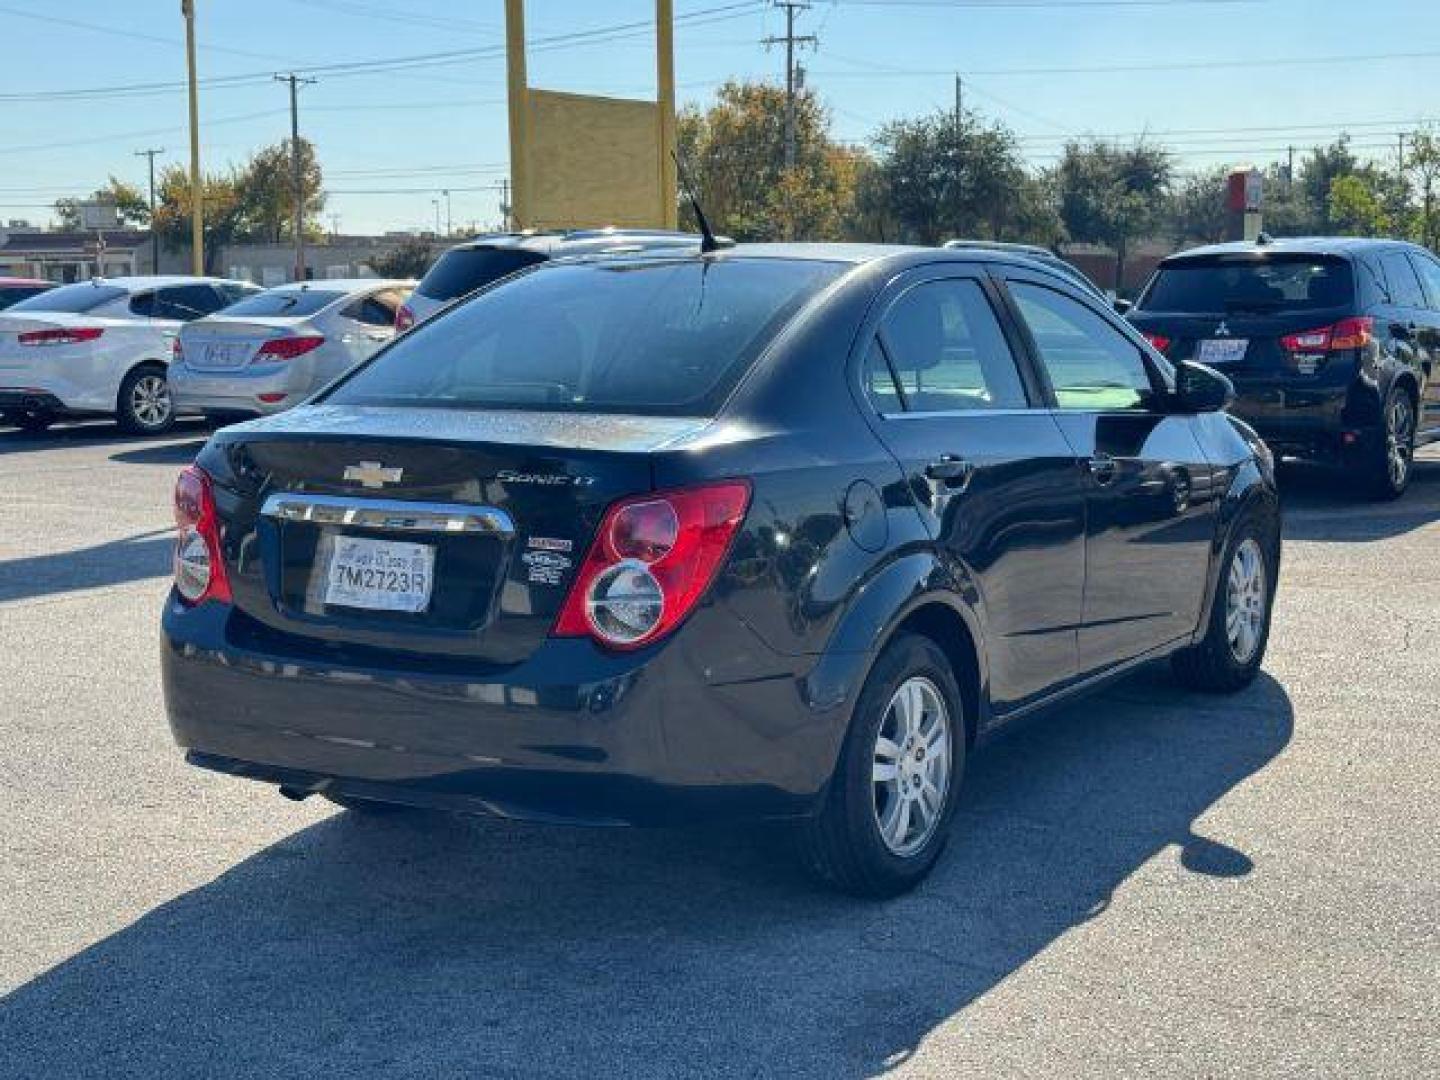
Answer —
(379, 575)
(232, 355)
(1223, 350)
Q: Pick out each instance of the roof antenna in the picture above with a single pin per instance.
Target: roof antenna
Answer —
(709, 242)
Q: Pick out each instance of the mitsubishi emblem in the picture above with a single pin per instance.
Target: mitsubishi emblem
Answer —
(372, 474)
(1222, 330)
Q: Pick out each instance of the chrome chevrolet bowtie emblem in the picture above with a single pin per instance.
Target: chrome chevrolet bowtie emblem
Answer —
(372, 474)
(1222, 330)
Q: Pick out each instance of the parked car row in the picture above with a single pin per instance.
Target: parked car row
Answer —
(146, 349)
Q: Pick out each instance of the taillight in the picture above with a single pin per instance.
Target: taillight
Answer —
(177, 352)
(70, 335)
(1353, 333)
(287, 348)
(1160, 341)
(650, 563)
(199, 569)
(404, 318)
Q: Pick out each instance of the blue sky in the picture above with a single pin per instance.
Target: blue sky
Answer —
(1253, 76)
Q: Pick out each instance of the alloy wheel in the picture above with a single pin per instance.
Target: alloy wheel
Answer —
(1245, 600)
(912, 763)
(1399, 432)
(150, 401)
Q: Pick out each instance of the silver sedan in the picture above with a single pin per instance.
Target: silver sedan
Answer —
(269, 352)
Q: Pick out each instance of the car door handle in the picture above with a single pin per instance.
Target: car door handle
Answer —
(1102, 467)
(949, 468)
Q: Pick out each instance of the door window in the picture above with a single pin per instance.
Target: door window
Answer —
(1091, 364)
(946, 353)
(372, 311)
(1430, 276)
(1400, 276)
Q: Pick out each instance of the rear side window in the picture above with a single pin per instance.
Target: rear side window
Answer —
(285, 302)
(463, 270)
(947, 352)
(13, 294)
(185, 302)
(666, 338)
(1400, 278)
(1251, 283)
(72, 298)
(1429, 271)
(1091, 364)
(372, 311)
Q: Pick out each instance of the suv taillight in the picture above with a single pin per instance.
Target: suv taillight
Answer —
(404, 318)
(199, 569)
(650, 563)
(1160, 341)
(1346, 334)
(70, 335)
(287, 348)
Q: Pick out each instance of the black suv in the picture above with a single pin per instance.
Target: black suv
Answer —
(1330, 344)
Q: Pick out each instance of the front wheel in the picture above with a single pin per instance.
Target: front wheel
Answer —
(1229, 656)
(887, 814)
(145, 406)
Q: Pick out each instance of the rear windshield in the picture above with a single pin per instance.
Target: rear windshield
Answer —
(1251, 283)
(13, 294)
(277, 302)
(666, 338)
(463, 270)
(72, 298)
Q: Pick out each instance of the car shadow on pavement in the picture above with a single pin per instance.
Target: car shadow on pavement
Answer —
(90, 433)
(115, 562)
(1321, 505)
(160, 453)
(427, 945)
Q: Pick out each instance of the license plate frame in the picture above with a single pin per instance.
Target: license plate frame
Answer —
(363, 573)
(1221, 351)
(224, 354)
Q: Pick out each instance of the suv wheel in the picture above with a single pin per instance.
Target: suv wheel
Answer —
(145, 407)
(888, 810)
(1229, 656)
(1390, 467)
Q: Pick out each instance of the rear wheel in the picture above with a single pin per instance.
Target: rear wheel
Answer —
(145, 406)
(1388, 471)
(1229, 656)
(887, 814)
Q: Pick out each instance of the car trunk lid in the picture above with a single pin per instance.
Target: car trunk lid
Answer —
(228, 344)
(495, 508)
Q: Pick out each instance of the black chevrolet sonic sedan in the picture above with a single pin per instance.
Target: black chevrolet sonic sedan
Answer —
(776, 532)
(1331, 344)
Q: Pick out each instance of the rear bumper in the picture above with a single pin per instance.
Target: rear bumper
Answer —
(1318, 423)
(574, 734)
(234, 391)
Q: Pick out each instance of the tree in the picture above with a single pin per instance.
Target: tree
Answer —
(267, 192)
(408, 259)
(1110, 194)
(220, 199)
(941, 176)
(130, 204)
(1196, 208)
(1423, 166)
(1355, 207)
(734, 153)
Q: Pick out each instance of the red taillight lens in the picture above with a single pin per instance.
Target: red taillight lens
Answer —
(287, 348)
(1346, 334)
(70, 335)
(404, 318)
(199, 569)
(650, 563)
(1160, 341)
(177, 352)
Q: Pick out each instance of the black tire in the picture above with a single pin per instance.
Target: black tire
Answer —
(843, 845)
(1389, 465)
(144, 406)
(1216, 664)
(369, 807)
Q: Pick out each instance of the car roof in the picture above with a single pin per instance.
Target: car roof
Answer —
(345, 285)
(1297, 245)
(556, 241)
(158, 281)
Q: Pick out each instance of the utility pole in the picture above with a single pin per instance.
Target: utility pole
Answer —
(791, 41)
(197, 191)
(1289, 168)
(449, 220)
(297, 178)
(154, 235)
(505, 204)
(1402, 152)
(436, 204)
(959, 103)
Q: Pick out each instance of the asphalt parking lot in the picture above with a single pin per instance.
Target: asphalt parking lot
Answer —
(1150, 883)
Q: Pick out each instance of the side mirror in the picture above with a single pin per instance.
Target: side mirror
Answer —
(1201, 389)
(1122, 307)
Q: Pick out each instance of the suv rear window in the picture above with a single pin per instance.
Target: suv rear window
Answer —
(666, 338)
(276, 303)
(463, 270)
(1251, 283)
(72, 298)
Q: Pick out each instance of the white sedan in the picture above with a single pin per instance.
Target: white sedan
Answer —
(101, 347)
(270, 352)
